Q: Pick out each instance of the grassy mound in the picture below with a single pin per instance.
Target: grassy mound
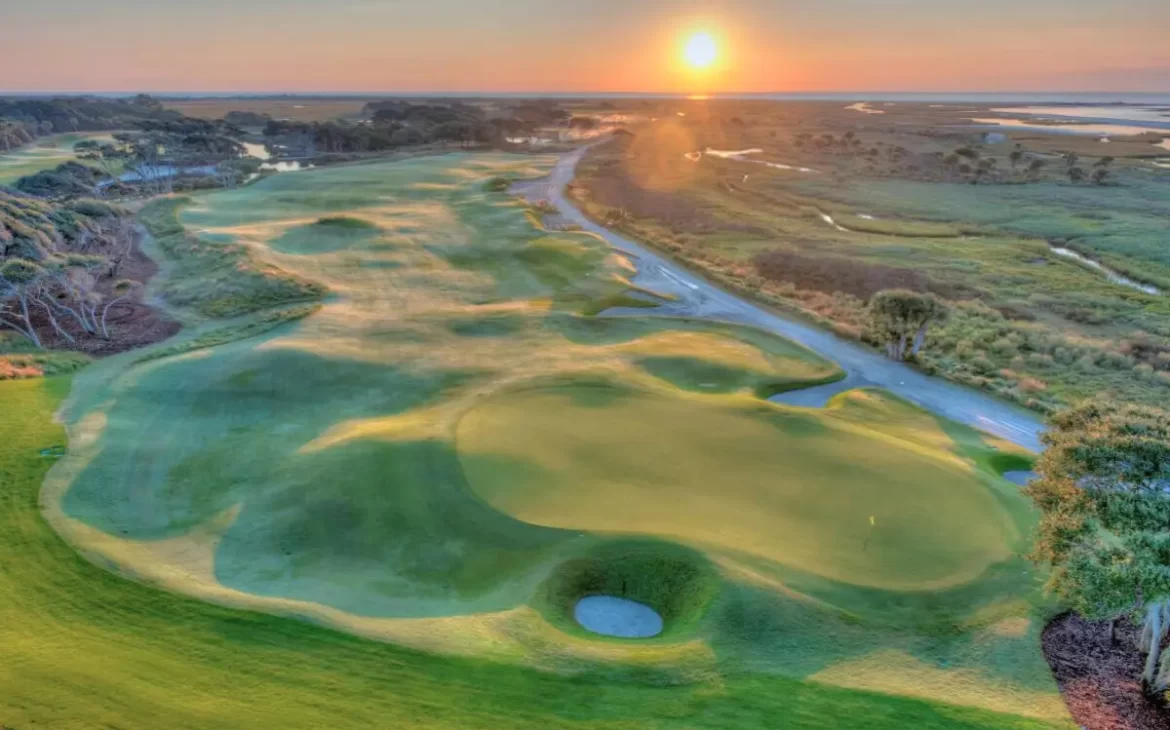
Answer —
(327, 235)
(217, 277)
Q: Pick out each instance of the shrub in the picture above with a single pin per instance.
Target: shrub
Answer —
(498, 184)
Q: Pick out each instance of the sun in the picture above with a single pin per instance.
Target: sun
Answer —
(700, 51)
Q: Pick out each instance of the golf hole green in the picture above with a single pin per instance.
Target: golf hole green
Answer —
(823, 492)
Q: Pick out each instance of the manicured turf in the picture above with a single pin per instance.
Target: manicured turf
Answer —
(44, 154)
(84, 649)
(807, 490)
(319, 470)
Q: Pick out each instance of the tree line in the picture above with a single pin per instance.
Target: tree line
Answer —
(391, 124)
(23, 120)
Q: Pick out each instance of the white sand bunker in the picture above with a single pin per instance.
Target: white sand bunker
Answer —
(612, 616)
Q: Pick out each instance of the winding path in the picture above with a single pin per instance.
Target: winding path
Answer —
(698, 298)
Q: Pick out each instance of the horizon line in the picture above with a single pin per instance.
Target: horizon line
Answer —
(575, 94)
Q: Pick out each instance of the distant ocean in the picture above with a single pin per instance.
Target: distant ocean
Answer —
(963, 97)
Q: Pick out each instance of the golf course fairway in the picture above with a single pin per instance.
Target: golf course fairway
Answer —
(389, 508)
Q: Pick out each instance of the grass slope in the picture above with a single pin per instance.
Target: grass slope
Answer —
(43, 154)
(86, 649)
(214, 277)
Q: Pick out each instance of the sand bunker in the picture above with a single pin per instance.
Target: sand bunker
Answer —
(612, 616)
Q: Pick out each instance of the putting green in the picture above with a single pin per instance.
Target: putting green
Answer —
(801, 488)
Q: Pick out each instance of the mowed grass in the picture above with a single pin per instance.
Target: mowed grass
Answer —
(805, 489)
(43, 154)
(316, 470)
(86, 649)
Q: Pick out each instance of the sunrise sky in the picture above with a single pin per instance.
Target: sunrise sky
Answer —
(589, 46)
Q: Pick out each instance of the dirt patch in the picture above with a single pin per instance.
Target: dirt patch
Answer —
(1101, 678)
(131, 323)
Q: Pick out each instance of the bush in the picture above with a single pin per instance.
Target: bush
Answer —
(498, 185)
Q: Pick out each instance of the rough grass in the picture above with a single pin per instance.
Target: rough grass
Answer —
(19, 359)
(218, 278)
(317, 470)
(259, 325)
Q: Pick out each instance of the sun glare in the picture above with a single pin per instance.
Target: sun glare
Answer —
(701, 50)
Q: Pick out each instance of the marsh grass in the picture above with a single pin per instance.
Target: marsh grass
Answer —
(1028, 325)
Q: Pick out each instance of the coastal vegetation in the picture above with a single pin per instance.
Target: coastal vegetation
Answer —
(818, 227)
(1102, 490)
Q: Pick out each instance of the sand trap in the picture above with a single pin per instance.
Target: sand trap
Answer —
(612, 616)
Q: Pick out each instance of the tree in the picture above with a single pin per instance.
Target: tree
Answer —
(1101, 170)
(1035, 167)
(110, 157)
(18, 279)
(900, 318)
(1075, 175)
(1015, 157)
(1102, 491)
(124, 289)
